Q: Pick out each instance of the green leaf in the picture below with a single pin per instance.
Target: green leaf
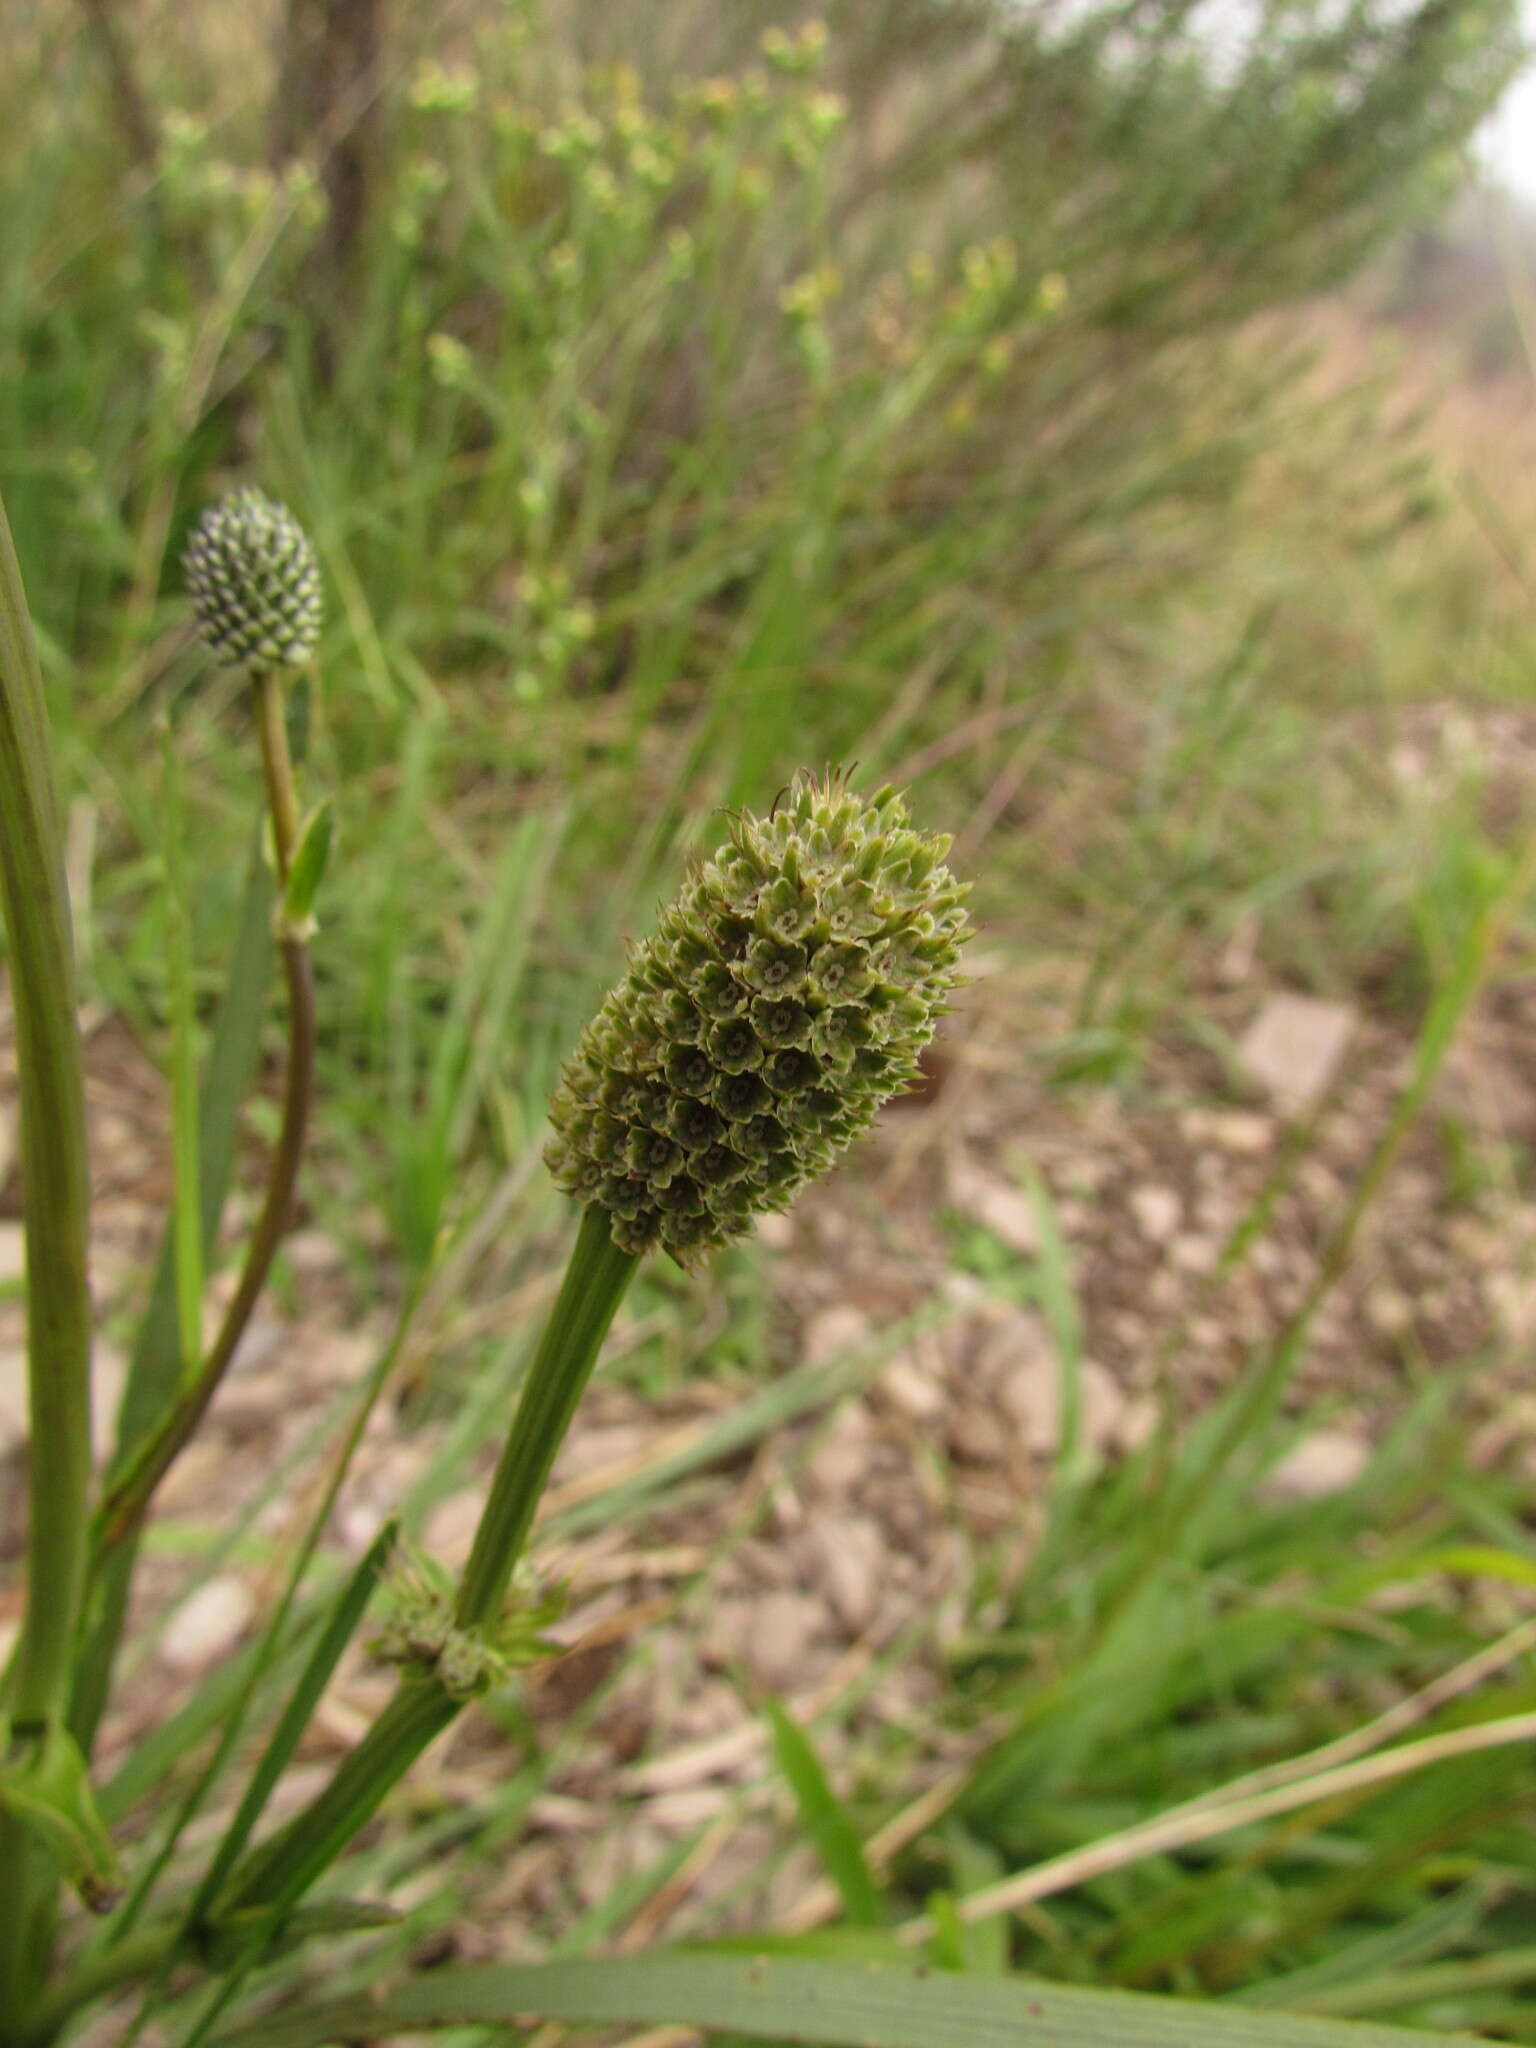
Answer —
(330, 1916)
(49, 1792)
(307, 870)
(826, 1822)
(56, 1186)
(1479, 1561)
(981, 1945)
(946, 1945)
(313, 1679)
(785, 1999)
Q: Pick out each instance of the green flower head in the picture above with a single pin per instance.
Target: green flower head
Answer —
(784, 997)
(254, 582)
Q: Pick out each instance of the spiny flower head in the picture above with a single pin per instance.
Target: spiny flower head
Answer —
(254, 582)
(784, 996)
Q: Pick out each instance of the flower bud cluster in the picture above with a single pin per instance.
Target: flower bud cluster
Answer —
(783, 998)
(254, 582)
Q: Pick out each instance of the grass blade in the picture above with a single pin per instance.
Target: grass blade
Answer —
(826, 1820)
(268, 1647)
(786, 1998)
(316, 1675)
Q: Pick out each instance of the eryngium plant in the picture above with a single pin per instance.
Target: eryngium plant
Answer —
(254, 582)
(785, 995)
(255, 587)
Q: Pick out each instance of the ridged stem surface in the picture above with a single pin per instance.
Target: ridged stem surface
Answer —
(56, 1194)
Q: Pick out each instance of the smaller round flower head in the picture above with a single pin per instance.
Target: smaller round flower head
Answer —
(784, 996)
(254, 582)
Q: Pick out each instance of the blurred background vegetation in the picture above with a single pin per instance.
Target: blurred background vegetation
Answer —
(1110, 417)
(679, 397)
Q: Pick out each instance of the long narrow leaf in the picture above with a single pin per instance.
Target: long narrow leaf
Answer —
(516, 902)
(786, 1999)
(825, 1820)
(143, 1772)
(316, 1675)
(268, 1648)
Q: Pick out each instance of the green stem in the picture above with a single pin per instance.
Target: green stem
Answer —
(598, 1273)
(56, 1207)
(283, 1869)
(128, 1498)
(154, 1371)
(594, 1285)
(277, 767)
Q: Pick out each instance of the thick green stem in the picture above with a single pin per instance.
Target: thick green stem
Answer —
(594, 1286)
(56, 1188)
(279, 1873)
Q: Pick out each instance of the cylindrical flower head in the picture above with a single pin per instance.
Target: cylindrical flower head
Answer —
(254, 582)
(784, 997)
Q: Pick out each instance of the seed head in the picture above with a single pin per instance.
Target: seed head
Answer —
(785, 995)
(254, 582)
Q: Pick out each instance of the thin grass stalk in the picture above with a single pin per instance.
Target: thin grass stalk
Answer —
(186, 1208)
(129, 1957)
(1260, 1398)
(57, 1213)
(156, 1362)
(128, 1499)
(1204, 1819)
(233, 1719)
